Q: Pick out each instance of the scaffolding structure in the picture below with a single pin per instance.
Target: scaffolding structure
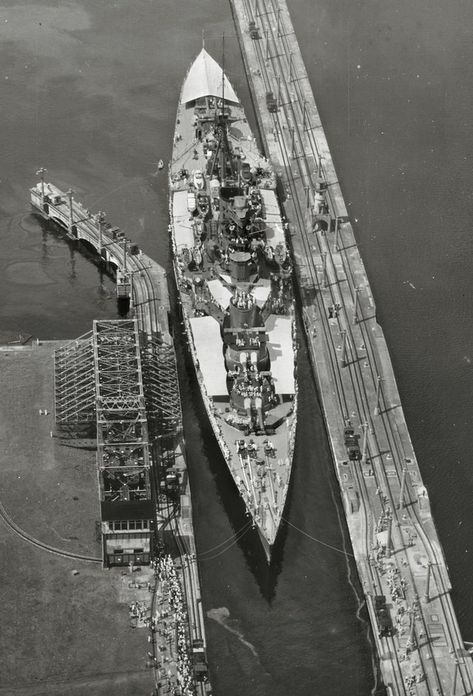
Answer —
(120, 386)
(74, 382)
(123, 458)
(162, 395)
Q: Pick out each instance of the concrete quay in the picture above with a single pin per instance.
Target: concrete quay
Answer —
(166, 597)
(397, 551)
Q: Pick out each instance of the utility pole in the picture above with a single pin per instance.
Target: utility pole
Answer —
(278, 91)
(279, 22)
(365, 442)
(304, 115)
(389, 536)
(71, 212)
(266, 33)
(293, 141)
(378, 391)
(41, 172)
(100, 220)
(427, 587)
(324, 269)
(335, 241)
(403, 487)
(411, 641)
(307, 197)
(291, 58)
(357, 302)
(124, 254)
(344, 348)
(455, 678)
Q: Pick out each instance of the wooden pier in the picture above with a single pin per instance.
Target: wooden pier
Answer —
(399, 557)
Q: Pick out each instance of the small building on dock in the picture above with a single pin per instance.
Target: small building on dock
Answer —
(127, 532)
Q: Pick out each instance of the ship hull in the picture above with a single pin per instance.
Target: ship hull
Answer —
(233, 275)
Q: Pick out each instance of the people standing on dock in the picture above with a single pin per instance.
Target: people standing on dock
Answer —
(176, 630)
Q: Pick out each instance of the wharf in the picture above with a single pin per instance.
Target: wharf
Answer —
(65, 624)
(400, 561)
(173, 611)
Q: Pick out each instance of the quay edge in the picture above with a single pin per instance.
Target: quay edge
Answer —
(399, 557)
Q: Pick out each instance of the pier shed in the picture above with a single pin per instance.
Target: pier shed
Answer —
(127, 530)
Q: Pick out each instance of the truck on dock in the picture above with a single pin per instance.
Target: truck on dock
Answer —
(352, 444)
(383, 618)
(199, 660)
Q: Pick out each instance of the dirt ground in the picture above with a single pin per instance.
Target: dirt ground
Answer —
(60, 632)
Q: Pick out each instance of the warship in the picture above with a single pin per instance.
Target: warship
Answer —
(234, 278)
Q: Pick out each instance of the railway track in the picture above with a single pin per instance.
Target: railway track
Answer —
(384, 436)
(13, 527)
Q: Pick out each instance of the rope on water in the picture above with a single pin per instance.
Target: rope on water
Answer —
(319, 541)
(233, 539)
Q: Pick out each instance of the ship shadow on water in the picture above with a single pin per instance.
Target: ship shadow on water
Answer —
(203, 452)
(197, 426)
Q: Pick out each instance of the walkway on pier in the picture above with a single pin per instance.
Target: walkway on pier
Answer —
(397, 550)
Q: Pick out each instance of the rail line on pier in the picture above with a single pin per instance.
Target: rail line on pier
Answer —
(332, 275)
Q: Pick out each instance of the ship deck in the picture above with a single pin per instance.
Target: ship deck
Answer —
(260, 460)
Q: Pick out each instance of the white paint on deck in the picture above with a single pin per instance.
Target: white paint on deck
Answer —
(279, 329)
(261, 292)
(208, 347)
(220, 293)
(274, 230)
(183, 231)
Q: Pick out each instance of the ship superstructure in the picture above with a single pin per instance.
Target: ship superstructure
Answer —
(234, 278)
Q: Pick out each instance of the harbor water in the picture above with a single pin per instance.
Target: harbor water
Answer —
(89, 91)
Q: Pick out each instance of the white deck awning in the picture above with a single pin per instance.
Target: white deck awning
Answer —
(183, 231)
(279, 329)
(275, 233)
(220, 293)
(204, 79)
(274, 228)
(208, 346)
(271, 206)
(261, 291)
